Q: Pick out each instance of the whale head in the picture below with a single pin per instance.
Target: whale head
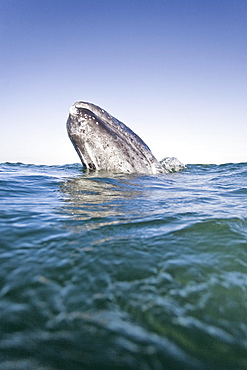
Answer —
(104, 143)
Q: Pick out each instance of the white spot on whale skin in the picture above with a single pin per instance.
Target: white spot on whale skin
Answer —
(73, 111)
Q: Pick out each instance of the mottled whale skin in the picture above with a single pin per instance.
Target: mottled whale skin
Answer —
(104, 143)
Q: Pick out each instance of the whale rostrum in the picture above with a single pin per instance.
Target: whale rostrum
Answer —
(104, 143)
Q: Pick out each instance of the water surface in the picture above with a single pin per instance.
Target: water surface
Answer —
(104, 271)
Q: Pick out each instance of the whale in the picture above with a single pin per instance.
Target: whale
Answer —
(102, 142)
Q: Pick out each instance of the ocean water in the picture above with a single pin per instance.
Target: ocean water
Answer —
(101, 271)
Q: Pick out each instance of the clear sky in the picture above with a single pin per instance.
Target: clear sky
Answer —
(174, 71)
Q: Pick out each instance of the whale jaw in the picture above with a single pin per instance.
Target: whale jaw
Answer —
(104, 143)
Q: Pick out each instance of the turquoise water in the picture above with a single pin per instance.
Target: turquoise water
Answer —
(104, 271)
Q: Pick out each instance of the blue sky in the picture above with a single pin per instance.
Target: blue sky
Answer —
(174, 71)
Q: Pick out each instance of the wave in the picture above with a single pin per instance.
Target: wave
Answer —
(132, 271)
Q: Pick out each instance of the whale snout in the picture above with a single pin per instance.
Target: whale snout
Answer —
(73, 111)
(103, 142)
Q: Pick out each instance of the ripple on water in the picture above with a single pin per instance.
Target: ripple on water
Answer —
(123, 271)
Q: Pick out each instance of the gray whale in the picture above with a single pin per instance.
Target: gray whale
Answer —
(104, 143)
